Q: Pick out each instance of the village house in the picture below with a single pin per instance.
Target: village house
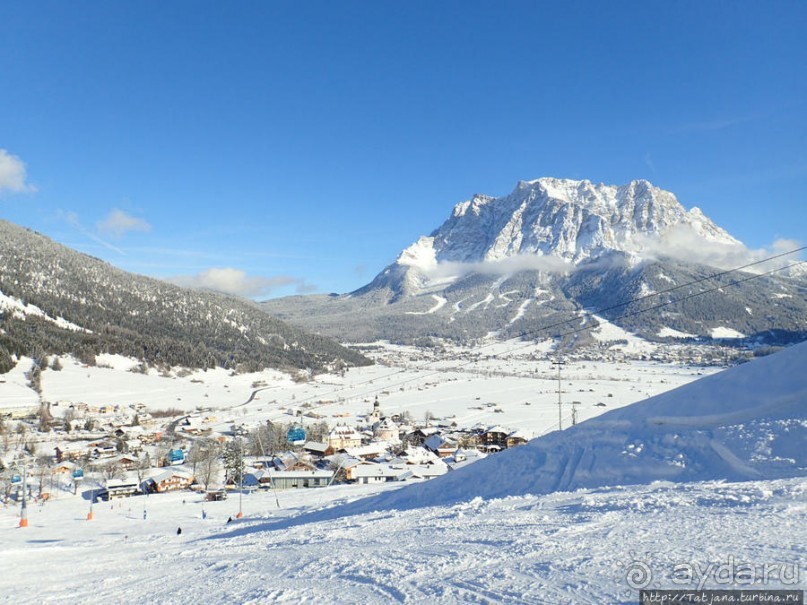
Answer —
(103, 449)
(495, 438)
(126, 462)
(169, 480)
(316, 448)
(289, 461)
(440, 445)
(276, 479)
(120, 488)
(64, 467)
(418, 462)
(517, 438)
(463, 457)
(342, 437)
(470, 439)
(371, 472)
(418, 436)
(72, 452)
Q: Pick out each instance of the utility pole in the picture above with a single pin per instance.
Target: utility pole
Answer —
(559, 363)
(574, 412)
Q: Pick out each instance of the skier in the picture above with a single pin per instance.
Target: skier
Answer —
(179, 530)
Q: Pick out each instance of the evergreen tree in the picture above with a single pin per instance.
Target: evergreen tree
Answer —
(234, 460)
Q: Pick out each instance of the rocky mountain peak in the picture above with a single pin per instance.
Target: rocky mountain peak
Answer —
(569, 219)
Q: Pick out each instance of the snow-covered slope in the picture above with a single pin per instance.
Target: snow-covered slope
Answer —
(748, 422)
(587, 547)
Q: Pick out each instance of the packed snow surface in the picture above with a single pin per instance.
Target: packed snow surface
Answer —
(567, 547)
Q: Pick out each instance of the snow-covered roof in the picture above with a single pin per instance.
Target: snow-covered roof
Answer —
(372, 449)
(165, 474)
(498, 429)
(301, 474)
(376, 470)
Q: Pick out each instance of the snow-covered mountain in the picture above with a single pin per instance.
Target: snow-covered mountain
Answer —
(571, 220)
(54, 300)
(553, 247)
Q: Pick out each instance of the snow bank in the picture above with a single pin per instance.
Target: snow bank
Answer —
(749, 422)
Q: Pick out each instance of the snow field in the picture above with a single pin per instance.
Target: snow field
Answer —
(563, 547)
(454, 387)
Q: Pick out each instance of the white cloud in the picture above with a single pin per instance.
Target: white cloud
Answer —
(505, 266)
(685, 244)
(72, 219)
(118, 223)
(12, 174)
(237, 282)
(681, 243)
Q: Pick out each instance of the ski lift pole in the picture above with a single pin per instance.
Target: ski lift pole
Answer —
(271, 479)
(240, 514)
(24, 506)
(92, 499)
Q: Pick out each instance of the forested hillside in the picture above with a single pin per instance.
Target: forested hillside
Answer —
(54, 300)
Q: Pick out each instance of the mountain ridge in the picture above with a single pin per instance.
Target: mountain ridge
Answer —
(54, 300)
(550, 249)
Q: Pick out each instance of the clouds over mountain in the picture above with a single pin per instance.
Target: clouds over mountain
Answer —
(237, 282)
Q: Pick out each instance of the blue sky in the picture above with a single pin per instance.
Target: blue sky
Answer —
(284, 147)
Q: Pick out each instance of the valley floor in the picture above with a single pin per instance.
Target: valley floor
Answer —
(511, 384)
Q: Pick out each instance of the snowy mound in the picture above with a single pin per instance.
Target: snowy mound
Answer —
(746, 423)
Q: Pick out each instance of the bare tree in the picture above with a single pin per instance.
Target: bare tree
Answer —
(209, 460)
(42, 470)
(267, 439)
(5, 435)
(45, 417)
(318, 431)
(6, 486)
(428, 417)
(30, 447)
(22, 433)
(110, 470)
(68, 418)
(143, 464)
